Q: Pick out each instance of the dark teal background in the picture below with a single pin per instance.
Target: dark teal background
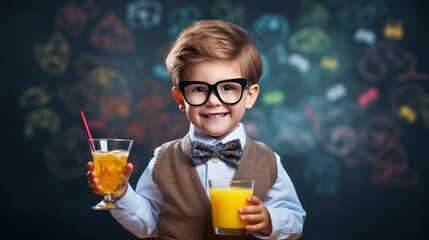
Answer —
(360, 169)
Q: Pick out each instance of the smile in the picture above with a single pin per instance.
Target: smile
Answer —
(218, 115)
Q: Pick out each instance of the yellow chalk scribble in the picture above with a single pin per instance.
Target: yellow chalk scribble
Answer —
(43, 118)
(407, 113)
(34, 96)
(310, 40)
(393, 30)
(329, 63)
(53, 57)
(107, 79)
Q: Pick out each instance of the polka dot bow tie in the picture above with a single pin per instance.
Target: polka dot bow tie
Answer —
(229, 152)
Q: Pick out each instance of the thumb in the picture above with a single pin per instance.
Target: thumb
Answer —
(128, 171)
(123, 188)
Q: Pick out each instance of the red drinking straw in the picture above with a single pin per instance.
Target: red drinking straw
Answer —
(88, 133)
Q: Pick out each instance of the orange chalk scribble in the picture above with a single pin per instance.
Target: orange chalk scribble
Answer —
(393, 30)
(113, 105)
(73, 18)
(111, 34)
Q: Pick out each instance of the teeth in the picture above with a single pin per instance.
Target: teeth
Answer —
(215, 115)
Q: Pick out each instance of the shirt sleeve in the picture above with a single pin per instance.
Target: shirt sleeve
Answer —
(141, 206)
(286, 212)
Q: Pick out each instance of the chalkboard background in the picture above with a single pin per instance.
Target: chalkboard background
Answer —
(344, 102)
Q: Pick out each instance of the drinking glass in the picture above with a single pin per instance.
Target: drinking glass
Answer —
(226, 197)
(110, 158)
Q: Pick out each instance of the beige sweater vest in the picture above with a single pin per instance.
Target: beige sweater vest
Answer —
(186, 210)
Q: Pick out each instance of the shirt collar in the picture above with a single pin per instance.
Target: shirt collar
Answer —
(196, 135)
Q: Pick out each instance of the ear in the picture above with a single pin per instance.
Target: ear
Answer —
(177, 94)
(252, 95)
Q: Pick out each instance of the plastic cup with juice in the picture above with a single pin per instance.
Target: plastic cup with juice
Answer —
(110, 158)
(226, 197)
(110, 168)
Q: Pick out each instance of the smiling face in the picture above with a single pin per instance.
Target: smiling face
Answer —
(215, 118)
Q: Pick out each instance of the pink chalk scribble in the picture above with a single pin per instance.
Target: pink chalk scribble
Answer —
(66, 154)
(385, 61)
(336, 131)
(424, 111)
(379, 135)
(392, 167)
(85, 63)
(73, 18)
(381, 148)
(370, 95)
(110, 34)
(76, 95)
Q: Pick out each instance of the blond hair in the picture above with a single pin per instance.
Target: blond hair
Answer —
(213, 40)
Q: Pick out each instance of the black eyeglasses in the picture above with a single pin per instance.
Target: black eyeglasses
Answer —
(229, 91)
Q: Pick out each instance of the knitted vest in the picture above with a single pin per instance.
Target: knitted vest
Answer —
(186, 210)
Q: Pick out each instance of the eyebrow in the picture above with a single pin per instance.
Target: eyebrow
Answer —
(228, 79)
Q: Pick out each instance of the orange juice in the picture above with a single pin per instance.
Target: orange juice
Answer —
(225, 204)
(110, 168)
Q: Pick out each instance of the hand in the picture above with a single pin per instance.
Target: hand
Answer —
(257, 216)
(91, 175)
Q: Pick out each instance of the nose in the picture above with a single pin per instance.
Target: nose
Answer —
(213, 99)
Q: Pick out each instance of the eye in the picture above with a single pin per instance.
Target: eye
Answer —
(199, 89)
(227, 88)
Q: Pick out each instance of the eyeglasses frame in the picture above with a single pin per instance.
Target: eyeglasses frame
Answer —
(213, 88)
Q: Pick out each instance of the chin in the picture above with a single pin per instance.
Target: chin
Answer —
(218, 135)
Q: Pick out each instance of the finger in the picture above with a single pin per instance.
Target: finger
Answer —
(252, 218)
(90, 166)
(91, 175)
(250, 210)
(120, 192)
(254, 227)
(255, 206)
(253, 200)
(128, 171)
(92, 181)
(93, 184)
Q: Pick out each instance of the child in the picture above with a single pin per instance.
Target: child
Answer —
(215, 71)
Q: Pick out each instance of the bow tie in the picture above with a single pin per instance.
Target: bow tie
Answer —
(229, 152)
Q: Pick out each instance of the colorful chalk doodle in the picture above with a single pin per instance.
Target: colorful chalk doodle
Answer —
(144, 14)
(343, 96)
(39, 119)
(305, 102)
(111, 34)
(73, 18)
(54, 56)
(35, 96)
(385, 62)
(228, 11)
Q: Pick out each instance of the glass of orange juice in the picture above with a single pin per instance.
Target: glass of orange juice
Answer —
(226, 197)
(110, 157)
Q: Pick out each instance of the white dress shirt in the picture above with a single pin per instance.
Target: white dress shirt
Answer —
(143, 205)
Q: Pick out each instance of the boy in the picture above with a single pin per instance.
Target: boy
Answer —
(215, 70)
